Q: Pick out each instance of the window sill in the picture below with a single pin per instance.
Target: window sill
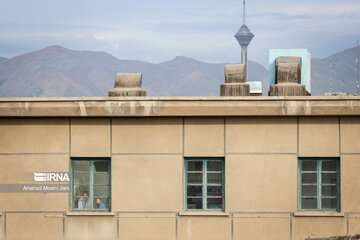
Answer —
(319, 214)
(204, 213)
(90, 214)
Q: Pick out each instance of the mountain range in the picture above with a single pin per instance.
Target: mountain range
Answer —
(56, 71)
(342, 77)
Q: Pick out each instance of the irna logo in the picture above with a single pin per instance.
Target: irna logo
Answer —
(52, 177)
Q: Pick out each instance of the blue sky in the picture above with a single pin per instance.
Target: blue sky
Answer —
(159, 30)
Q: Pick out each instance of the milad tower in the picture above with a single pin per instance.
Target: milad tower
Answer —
(244, 37)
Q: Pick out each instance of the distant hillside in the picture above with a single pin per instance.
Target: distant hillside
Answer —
(2, 58)
(57, 71)
(344, 74)
(186, 76)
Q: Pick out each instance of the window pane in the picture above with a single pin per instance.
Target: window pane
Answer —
(195, 165)
(310, 165)
(81, 178)
(308, 203)
(101, 191)
(329, 165)
(329, 191)
(329, 203)
(329, 178)
(309, 191)
(85, 195)
(101, 203)
(197, 189)
(194, 203)
(81, 165)
(194, 191)
(214, 203)
(214, 190)
(309, 178)
(327, 182)
(194, 178)
(214, 166)
(82, 203)
(101, 166)
(81, 190)
(101, 178)
(214, 178)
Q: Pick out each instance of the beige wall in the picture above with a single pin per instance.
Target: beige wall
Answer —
(90, 137)
(209, 228)
(204, 137)
(350, 182)
(90, 228)
(28, 226)
(261, 183)
(354, 224)
(318, 227)
(261, 226)
(34, 201)
(261, 135)
(261, 156)
(147, 226)
(20, 169)
(350, 134)
(159, 226)
(1, 226)
(147, 135)
(319, 137)
(147, 183)
(34, 135)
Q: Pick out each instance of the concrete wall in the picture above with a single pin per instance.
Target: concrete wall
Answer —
(147, 226)
(23, 226)
(148, 183)
(211, 228)
(2, 227)
(261, 226)
(261, 183)
(147, 158)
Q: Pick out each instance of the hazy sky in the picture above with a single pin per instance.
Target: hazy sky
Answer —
(159, 30)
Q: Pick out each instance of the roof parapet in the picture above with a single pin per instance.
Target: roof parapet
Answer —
(180, 106)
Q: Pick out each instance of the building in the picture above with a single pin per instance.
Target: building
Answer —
(255, 88)
(222, 168)
(244, 37)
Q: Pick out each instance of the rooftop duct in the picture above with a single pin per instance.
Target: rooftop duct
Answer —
(287, 78)
(127, 84)
(235, 81)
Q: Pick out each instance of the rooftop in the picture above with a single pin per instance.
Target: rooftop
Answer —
(180, 106)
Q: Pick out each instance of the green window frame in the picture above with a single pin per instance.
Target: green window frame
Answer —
(319, 184)
(91, 175)
(204, 184)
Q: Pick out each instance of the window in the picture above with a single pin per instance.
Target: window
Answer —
(204, 184)
(90, 184)
(319, 184)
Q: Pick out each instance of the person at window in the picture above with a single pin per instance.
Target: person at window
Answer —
(84, 201)
(100, 204)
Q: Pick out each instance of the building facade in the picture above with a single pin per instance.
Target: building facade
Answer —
(187, 168)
